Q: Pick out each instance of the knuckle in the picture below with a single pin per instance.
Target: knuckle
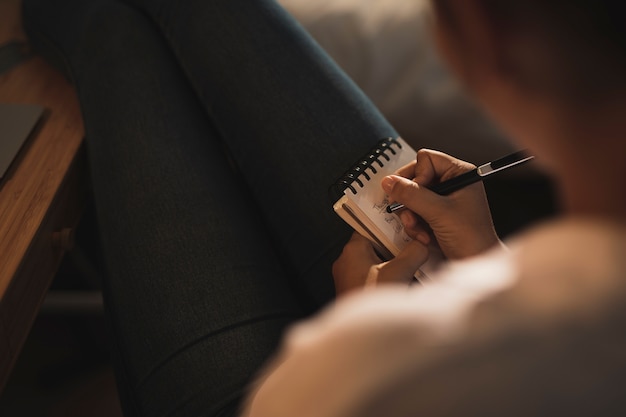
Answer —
(423, 151)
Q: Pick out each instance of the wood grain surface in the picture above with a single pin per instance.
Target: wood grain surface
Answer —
(43, 195)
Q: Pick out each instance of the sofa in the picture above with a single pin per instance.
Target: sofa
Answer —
(386, 48)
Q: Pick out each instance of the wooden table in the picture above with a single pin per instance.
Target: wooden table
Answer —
(42, 200)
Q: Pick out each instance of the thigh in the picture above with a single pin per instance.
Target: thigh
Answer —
(195, 294)
(207, 265)
(291, 119)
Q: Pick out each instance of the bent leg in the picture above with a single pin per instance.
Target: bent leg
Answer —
(206, 265)
(196, 297)
(291, 119)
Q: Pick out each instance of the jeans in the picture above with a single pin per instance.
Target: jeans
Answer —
(214, 130)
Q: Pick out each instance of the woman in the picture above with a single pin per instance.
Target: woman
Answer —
(531, 331)
(212, 254)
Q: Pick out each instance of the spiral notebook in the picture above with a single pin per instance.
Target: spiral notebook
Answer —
(362, 203)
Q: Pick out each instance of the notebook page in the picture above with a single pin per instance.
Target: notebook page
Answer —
(372, 201)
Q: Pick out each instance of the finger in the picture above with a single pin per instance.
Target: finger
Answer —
(360, 247)
(416, 198)
(433, 166)
(408, 170)
(353, 266)
(402, 268)
(414, 226)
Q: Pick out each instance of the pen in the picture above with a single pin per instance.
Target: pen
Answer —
(475, 175)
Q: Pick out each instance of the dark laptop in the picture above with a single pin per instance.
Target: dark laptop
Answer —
(17, 123)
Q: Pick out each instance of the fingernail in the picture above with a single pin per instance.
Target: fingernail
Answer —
(388, 183)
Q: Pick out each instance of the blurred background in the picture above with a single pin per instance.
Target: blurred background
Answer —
(64, 368)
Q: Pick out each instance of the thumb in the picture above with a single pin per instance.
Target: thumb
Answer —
(415, 197)
(402, 268)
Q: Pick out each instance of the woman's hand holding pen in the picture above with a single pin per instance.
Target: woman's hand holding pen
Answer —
(461, 222)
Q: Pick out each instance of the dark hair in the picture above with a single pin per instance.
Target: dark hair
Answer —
(582, 43)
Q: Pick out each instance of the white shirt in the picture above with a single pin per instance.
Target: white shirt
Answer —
(539, 329)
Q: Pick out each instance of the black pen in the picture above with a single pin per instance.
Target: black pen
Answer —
(475, 175)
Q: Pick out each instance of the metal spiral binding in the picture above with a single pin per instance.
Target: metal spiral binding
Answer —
(370, 161)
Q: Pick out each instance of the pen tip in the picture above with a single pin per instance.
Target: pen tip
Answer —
(394, 207)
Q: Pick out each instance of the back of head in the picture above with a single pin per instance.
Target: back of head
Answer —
(580, 48)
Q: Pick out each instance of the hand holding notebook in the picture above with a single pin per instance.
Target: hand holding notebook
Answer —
(364, 205)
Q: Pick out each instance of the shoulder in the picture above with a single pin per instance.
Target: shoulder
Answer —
(522, 321)
(570, 265)
(331, 364)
